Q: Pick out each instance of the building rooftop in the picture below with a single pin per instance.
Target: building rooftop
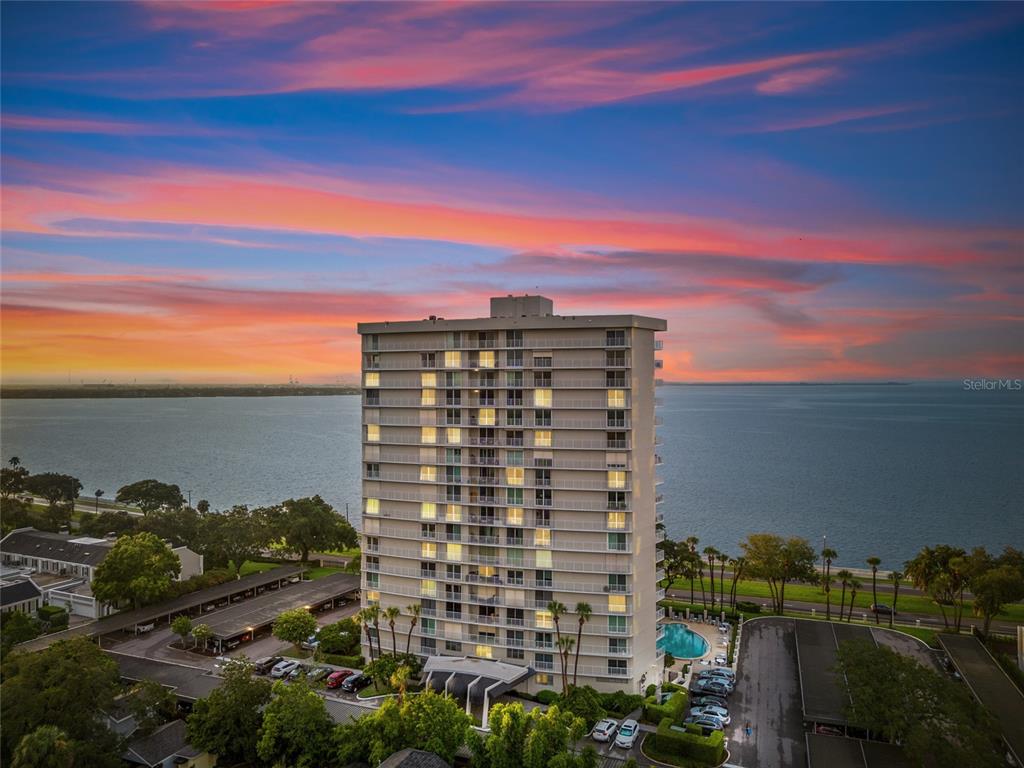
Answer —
(520, 312)
(15, 591)
(165, 742)
(62, 547)
(414, 758)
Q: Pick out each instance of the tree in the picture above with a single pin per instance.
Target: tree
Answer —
(414, 617)
(565, 646)
(854, 586)
(152, 705)
(583, 614)
(341, 637)
(113, 521)
(895, 577)
(227, 722)
(138, 568)
(202, 506)
(828, 555)
(373, 617)
(311, 523)
(60, 491)
(895, 698)
(844, 577)
(46, 747)
(722, 559)
(535, 740)
(995, 588)
(738, 564)
(711, 553)
(151, 495)
(296, 729)
(779, 561)
(294, 626)
(201, 633)
(391, 613)
(68, 686)
(557, 609)
(180, 526)
(362, 618)
(181, 625)
(12, 480)
(874, 562)
(692, 560)
(17, 627)
(97, 493)
(932, 572)
(234, 535)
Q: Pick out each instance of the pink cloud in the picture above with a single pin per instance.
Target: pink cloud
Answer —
(830, 118)
(795, 80)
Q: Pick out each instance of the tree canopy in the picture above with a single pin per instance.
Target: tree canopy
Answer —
(778, 561)
(311, 523)
(227, 721)
(296, 730)
(151, 495)
(294, 626)
(138, 569)
(528, 740)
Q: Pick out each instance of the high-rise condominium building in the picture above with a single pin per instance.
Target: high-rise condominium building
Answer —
(508, 464)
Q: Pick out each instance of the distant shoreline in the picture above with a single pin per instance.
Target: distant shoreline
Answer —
(107, 391)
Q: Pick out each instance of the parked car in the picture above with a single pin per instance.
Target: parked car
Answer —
(335, 679)
(881, 609)
(300, 671)
(317, 673)
(356, 682)
(707, 724)
(311, 643)
(720, 713)
(628, 732)
(604, 729)
(710, 687)
(284, 668)
(730, 684)
(708, 701)
(722, 659)
(267, 663)
(718, 672)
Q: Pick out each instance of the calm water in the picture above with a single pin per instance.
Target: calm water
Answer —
(683, 643)
(880, 470)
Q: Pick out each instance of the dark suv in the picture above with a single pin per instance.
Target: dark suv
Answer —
(356, 682)
(263, 666)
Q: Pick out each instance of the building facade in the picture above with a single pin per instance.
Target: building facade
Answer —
(508, 464)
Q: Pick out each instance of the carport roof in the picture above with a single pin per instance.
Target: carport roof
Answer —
(184, 681)
(840, 752)
(498, 671)
(260, 611)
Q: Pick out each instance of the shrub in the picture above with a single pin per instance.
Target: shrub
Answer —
(745, 607)
(383, 668)
(650, 690)
(671, 740)
(547, 697)
(671, 688)
(674, 709)
(342, 637)
(583, 702)
(620, 703)
(355, 662)
(53, 617)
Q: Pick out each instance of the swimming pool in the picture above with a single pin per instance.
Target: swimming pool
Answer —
(682, 642)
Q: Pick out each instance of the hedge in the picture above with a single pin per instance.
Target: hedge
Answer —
(547, 697)
(674, 709)
(676, 741)
(746, 607)
(355, 662)
(53, 616)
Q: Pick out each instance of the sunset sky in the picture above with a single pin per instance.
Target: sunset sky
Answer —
(218, 192)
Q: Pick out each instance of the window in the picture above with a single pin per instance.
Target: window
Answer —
(428, 435)
(513, 338)
(373, 506)
(514, 379)
(453, 512)
(515, 653)
(428, 550)
(542, 437)
(616, 603)
(428, 531)
(428, 360)
(615, 338)
(615, 359)
(373, 341)
(516, 578)
(485, 417)
(452, 646)
(484, 652)
(618, 646)
(617, 520)
(428, 474)
(542, 361)
(428, 380)
(373, 397)
(428, 570)
(542, 517)
(616, 398)
(514, 475)
(373, 433)
(454, 552)
(428, 626)
(616, 419)
(372, 597)
(542, 418)
(542, 378)
(428, 646)
(617, 500)
(617, 667)
(453, 572)
(452, 359)
(373, 471)
(372, 579)
(543, 640)
(616, 478)
(616, 625)
(543, 558)
(617, 542)
(616, 439)
(428, 397)
(544, 620)
(486, 359)
(428, 510)
(453, 379)
(428, 587)
(514, 418)
(514, 358)
(542, 678)
(514, 516)
(542, 398)
(544, 661)
(616, 582)
(514, 538)
(542, 537)
(514, 458)
(453, 435)
(372, 379)
(542, 497)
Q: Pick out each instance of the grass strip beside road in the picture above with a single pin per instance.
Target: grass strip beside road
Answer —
(807, 593)
(319, 573)
(256, 566)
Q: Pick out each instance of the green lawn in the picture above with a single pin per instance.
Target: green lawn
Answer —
(812, 594)
(319, 573)
(255, 566)
(343, 552)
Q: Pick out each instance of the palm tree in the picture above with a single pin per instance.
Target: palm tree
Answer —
(583, 612)
(894, 577)
(557, 610)
(97, 493)
(14, 461)
(737, 573)
(874, 562)
(722, 557)
(414, 617)
(400, 679)
(828, 555)
(691, 546)
(700, 576)
(565, 645)
(363, 618)
(373, 617)
(711, 553)
(854, 586)
(391, 613)
(45, 747)
(844, 577)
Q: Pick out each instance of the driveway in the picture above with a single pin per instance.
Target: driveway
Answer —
(767, 696)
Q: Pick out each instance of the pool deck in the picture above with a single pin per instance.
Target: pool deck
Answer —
(711, 635)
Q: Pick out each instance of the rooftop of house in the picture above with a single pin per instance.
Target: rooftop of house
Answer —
(14, 591)
(166, 741)
(414, 758)
(63, 547)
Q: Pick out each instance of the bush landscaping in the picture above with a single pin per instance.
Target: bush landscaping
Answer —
(688, 742)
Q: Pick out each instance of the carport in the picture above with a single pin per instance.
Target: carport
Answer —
(841, 752)
(473, 678)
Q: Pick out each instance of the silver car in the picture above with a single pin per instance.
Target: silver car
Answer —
(604, 729)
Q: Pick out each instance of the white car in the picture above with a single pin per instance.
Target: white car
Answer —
(284, 668)
(719, 713)
(603, 730)
(628, 732)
